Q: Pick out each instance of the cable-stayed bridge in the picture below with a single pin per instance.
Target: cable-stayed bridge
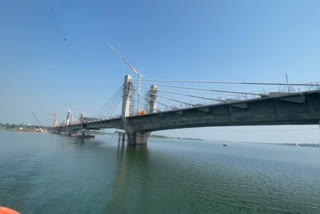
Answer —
(139, 108)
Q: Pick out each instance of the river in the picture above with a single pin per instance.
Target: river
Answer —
(45, 173)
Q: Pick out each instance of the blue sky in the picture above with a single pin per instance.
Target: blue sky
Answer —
(54, 53)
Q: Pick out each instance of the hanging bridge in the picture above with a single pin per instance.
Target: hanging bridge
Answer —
(139, 108)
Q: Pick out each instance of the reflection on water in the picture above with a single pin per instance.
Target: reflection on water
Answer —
(129, 157)
(43, 173)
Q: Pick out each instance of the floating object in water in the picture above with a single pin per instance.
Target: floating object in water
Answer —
(5, 210)
(224, 144)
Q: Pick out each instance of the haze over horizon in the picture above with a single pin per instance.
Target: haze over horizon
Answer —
(55, 54)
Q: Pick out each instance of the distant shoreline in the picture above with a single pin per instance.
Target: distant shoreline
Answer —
(24, 128)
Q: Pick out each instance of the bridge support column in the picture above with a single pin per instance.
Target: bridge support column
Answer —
(153, 99)
(138, 138)
(126, 98)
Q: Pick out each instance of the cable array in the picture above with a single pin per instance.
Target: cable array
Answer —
(178, 94)
(311, 84)
(110, 106)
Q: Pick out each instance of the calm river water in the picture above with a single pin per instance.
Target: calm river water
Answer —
(44, 173)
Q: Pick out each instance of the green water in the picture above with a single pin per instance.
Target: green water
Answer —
(43, 173)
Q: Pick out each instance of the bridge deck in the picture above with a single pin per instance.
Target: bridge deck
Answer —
(290, 109)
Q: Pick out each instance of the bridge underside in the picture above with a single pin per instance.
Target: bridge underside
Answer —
(293, 109)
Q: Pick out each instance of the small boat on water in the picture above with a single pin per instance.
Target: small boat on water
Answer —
(5, 210)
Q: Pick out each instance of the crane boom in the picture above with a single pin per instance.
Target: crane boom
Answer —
(124, 59)
(35, 117)
(134, 70)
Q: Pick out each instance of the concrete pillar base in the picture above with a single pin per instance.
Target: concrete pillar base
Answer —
(138, 138)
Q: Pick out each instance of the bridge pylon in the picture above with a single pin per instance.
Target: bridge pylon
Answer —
(153, 99)
(135, 137)
(126, 97)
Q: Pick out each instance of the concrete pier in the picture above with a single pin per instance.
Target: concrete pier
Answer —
(135, 137)
(138, 138)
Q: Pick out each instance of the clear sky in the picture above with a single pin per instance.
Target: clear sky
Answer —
(54, 53)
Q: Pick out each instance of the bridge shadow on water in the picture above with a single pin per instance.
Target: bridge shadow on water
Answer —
(127, 164)
(132, 159)
(132, 164)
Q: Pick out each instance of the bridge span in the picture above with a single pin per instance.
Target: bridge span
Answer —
(298, 108)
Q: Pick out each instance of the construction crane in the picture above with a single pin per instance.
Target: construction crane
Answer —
(35, 117)
(135, 71)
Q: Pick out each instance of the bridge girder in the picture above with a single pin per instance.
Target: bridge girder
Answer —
(293, 109)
